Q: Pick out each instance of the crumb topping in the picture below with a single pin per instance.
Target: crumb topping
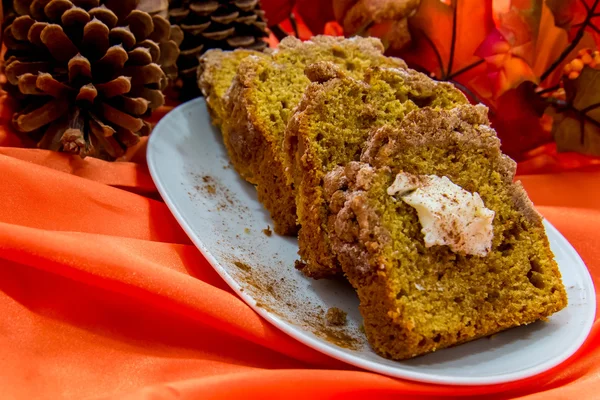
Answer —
(336, 317)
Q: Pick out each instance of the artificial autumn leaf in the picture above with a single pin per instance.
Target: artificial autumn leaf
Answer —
(520, 24)
(509, 49)
(564, 31)
(527, 45)
(277, 11)
(314, 16)
(516, 119)
(445, 38)
(506, 68)
(332, 28)
(572, 15)
(296, 26)
(576, 124)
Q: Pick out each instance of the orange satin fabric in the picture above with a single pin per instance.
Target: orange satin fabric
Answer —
(102, 296)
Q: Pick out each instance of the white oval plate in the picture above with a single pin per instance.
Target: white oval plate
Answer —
(221, 214)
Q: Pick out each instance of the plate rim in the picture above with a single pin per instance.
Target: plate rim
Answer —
(332, 350)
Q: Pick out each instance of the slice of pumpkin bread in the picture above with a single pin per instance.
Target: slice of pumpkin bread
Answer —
(216, 71)
(330, 129)
(440, 244)
(261, 100)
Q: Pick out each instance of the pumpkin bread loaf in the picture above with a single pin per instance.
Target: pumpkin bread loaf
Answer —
(262, 98)
(425, 279)
(215, 74)
(330, 128)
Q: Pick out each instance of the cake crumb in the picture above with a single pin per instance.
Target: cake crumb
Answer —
(268, 231)
(242, 266)
(336, 317)
(299, 265)
(246, 230)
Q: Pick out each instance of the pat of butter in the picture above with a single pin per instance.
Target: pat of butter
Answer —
(449, 215)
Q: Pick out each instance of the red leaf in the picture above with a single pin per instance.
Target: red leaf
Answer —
(303, 32)
(516, 119)
(277, 11)
(520, 23)
(315, 14)
(506, 64)
(572, 14)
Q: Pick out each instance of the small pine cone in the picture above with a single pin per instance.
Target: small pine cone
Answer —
(87, 72)
(212, 24)
(385, 19)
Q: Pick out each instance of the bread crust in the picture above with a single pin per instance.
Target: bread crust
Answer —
(212, 65)
(253, 153)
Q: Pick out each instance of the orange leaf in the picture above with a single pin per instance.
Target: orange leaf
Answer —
(509, 49)
(572, 14)
(506, 69)
(552, 41)
(332, 28)
(445, 37)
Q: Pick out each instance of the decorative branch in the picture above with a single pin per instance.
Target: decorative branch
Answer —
(590, 108)
(548, 90)
(362, 31)
(469, 92)
(279, 33)
(573, 44)
(465, 69)
(437, 54)
(595, 28)
(453, 40)
(447, 74)
(294, 25)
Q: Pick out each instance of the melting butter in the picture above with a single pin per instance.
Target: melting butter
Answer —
(448, 214)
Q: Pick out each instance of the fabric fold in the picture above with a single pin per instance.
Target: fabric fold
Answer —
(103, 296)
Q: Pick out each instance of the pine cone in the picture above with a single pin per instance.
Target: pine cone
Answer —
(211, 24)
(155, 7)
(385, 19)
(87, 73)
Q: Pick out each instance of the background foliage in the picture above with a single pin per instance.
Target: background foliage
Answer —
(532, 62)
